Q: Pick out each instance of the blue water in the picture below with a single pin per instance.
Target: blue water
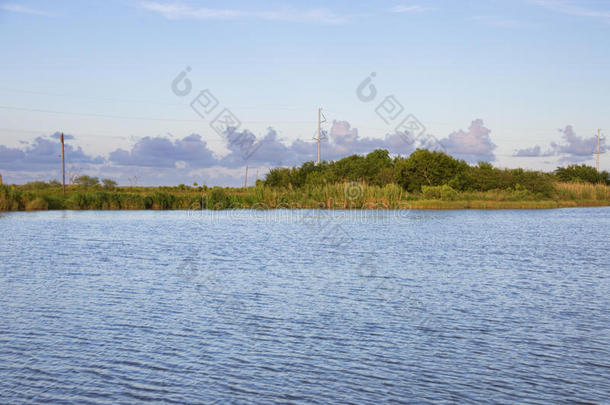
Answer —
(305, 307)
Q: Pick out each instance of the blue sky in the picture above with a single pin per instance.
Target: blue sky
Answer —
(519, 83)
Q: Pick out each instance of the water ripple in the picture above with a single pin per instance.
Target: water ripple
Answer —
(443, 307)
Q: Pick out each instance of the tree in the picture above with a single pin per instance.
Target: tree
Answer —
(582, 173)
(86, 181)
(377, 166)
(427, 168)
(278, 177)
(109, 184)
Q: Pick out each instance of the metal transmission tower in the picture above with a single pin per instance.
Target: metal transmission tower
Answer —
(321, 120)
(598, 139)
(63, 166)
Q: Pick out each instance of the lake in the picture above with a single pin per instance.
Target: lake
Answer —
(293, 306)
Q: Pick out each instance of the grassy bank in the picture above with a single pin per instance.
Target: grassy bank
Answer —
(348, 195)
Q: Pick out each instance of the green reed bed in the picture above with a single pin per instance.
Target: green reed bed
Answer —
(345, 195)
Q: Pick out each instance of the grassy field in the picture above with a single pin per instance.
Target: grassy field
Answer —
(336, 196)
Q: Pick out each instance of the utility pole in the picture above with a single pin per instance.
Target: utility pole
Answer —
(321, 120)
(598, 136)
(246, 179)
(319, 132)
(63, 166)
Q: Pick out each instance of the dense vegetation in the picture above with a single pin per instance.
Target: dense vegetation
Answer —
(424, 168)
(376, 181)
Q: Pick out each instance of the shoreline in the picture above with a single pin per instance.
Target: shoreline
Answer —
(423, 205)
(330, 197)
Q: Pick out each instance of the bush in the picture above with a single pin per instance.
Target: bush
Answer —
(132, 202)
(162, 201)
(582, 173)
(86, 181)
(425, 168)
(448, 193)
(108, 184)
(37, 204)
(36, 185)
(431, 192)
(519, 193)
(217, 199)
(10, 198)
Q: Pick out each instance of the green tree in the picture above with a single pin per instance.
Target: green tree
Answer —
(217, 199)
(278, 177)
(377, 163)
(86, 181)
(582, 173)
(427, 168)
(109, 184)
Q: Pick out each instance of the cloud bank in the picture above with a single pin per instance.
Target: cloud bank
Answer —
(156, 160)
(571, 149)
(42, 154)
(178, 11)
(570, 7)
(473, 146)
(18, 8)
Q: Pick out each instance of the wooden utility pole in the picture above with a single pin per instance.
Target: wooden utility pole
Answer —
(63, 165)
(246, 179)
(598, 136)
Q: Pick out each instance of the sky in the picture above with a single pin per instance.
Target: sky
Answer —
(168, 92)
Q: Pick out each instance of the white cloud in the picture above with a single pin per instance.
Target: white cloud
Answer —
(180, 11)
(573, 148)
(474, 145)
(17, 8)
(498, 22)
(405, 8)
(571, 8)
(409, 7)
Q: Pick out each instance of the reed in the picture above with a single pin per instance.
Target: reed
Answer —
(345, 195)
(582, 191)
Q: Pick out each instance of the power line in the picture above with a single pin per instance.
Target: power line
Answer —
(108, 99)
(46, 132)
(119, 100)
(133, 118)
(93, 114)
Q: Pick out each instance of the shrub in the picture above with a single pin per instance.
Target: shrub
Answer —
(36, 185)
(10, 198)
(519, 193)
(431, 192)
(109, 184)
(132, 202)
(425, 168)
(448, 194)
(86, 181)
(582, 173)
(162, 201)
(37, 204)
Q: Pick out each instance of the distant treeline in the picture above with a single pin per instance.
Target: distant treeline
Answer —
(424, 168)
(376, 181)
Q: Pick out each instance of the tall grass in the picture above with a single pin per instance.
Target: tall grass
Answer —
(582, 192)
(348, 195)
